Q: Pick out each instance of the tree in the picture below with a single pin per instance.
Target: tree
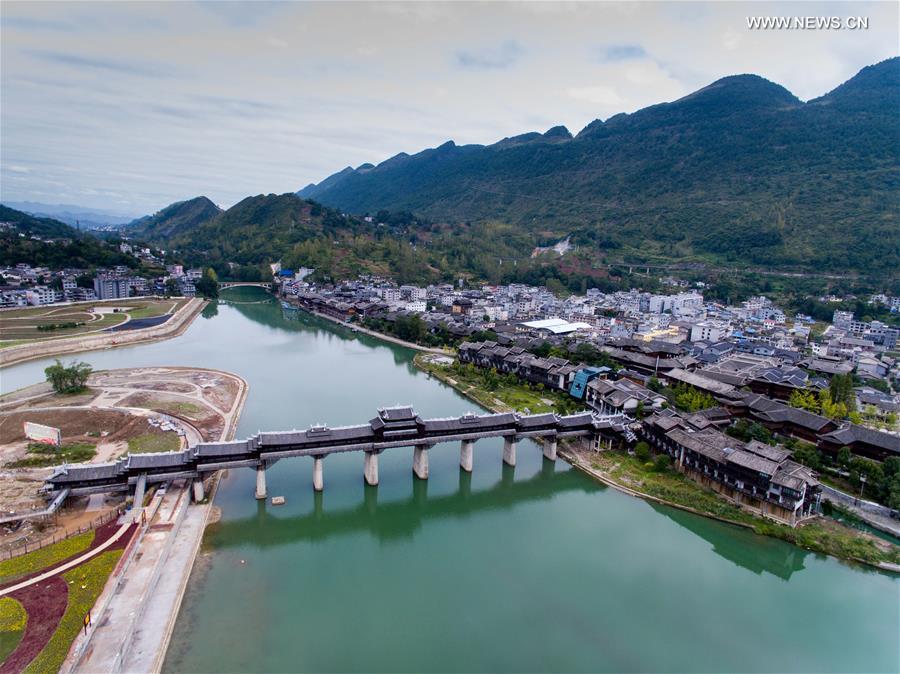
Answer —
(208, 285)
(661, 463)
(172, 288)
(71, 379)
(642, 451)
(843, 456)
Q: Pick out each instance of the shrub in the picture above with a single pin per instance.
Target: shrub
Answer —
(661, 463)
(642, 451)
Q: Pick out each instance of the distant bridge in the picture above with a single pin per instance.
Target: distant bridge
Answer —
(224, 285)
(393, 427)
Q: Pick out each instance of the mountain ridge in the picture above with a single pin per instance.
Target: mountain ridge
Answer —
(740, 170)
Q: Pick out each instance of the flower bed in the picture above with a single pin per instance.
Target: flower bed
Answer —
(44, 604)
(85, 583)
(13, 619)
(48, 556)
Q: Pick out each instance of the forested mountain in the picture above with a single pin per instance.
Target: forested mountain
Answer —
(739, 172)
(33, 225)
(67, 247)
(174, 219)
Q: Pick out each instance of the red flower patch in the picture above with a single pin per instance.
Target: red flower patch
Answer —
(45, 603)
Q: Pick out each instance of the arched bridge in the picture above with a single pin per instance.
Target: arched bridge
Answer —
(393, 427)
(224, 285)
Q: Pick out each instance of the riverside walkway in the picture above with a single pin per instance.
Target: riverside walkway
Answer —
(393, 427)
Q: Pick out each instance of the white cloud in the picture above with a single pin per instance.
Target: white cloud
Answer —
(597, 93)
(130, 99)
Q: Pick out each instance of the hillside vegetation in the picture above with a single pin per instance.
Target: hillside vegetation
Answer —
(740, 173)
(174, 219)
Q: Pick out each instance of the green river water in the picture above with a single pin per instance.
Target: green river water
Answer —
(536, 569)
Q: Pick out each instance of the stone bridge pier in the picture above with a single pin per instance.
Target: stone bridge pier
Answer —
(466, 455)
(370, 468)
(509, 450)
(261, 480)
(420, 461)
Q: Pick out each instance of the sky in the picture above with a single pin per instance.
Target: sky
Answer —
(128, 107)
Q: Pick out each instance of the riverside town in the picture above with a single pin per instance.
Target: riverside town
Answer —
(450, 338)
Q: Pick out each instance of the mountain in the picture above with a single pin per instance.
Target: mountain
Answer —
(77, 216)
(263, 229)
(740, 172)
(36, 226)
(58, 245)
(174, 219)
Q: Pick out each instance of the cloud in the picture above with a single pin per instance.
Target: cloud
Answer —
(598, 94)
(621, 52)
(34, 24)
(107, 65)
(491, 58)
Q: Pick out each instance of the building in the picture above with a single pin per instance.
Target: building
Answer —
(757, 476)
(110, 287)
(552, 326)
(41, 295)
(705, 331)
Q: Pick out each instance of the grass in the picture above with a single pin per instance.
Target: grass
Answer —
(13, 620)
(85, 583)
(45, 557)
(176, 407)
(48, 455)
(520, 397)
(25, 328)
(823, 536)
(154, 442)
(5, 344)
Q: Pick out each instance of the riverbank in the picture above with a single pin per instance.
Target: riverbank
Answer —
(139, 616)
(372, 333)
(624, 473)
(174, 326)
(136, 603)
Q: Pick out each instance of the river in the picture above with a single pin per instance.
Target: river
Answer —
(536, 569)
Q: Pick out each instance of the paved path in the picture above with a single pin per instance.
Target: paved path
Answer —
(68, 565)
(118, 621)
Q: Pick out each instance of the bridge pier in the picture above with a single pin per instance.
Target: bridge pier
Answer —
(370, 470)
(550, 449)
(420, 461)
(465, 455)
(139, 490)
(198, 490)
(318, 477)
(509, 450)
(261, 481)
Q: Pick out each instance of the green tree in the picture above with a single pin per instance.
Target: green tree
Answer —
(68, 379)
(642, 451)
(172, 288)
(843, 456)
(208, 285)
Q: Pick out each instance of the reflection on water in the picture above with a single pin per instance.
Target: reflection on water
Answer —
(395, 519)
(738, 546)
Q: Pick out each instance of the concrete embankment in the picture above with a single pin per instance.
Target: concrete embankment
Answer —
(137, 619)
(173, 327)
